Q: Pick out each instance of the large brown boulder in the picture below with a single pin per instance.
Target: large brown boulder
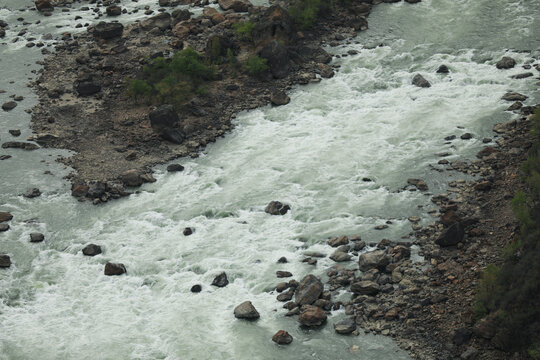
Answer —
(163, 121)
(246, 310)
(309, 290)
(365, 288)
(282, 338)
(112, 269)
(312, 316)
(451, 236)
(108, 30)
(44, 5)
(162, 21)
(235, 5)
(374, 259)
(5, 216)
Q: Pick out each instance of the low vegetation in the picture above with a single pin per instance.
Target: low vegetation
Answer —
(513, 290)
(255, 65)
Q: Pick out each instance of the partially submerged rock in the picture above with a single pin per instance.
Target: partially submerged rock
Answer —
(91, 250)
(5, 216)
(114, 269)
(420, 81)
(5, 261)
(32, 193)
(312, 316)
(276, 208)
(9, 105)
(282, 338)
(345, 326)
(108, 30)
(246, 310)
(19, 145)
(309, 290)
(506, 63)
(37, 237)
(221, 280)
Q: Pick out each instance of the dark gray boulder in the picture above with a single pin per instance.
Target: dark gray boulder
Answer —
(114, 269)
(32, 193)
(278, 58)
(451, 236)
(246, 310)
(420, 81)
(4, 227)
(196, 288)
(37, 237)
(91, 250)
(276, 208)
(309, 290)
(163, 121)
(221, 280)
(108, 30)
(377, 259)
(5, 261)
(506, 63)
(10, 105)
(87, 88)
(19, 145)
(175, 168)
(345, 326)
(443, 69)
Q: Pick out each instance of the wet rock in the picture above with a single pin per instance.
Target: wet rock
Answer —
(400, 252)
(338, 241)
(345, 326)
(282, 260)
(19, 145)
(420, 81)
(91, 250)
(161, 21)
(506, 63)
(282, 338)
(175, 168)
(461, 336)
(377, 259)
(108, 30)
(188, 231)
(221, 280)
(515, 106)
(276, 208)
(32, 193)
(466, 136)
(443, 69)
(312, 316)
(163, 120)
(196, 288)
(283, 274)
(522, 75)
(340, 256)
(113, 10)
(278, 58)
(235, 5)
(4, 227)
(483, 185)
(365, 287)
(37, 237)
(286, 296)
(15, 132)
(282, 286)
(309, 290)
(359, 245)
(5, 261)
(5, 216)
(112, 269)
(96, 189)
(246, 310)
(514, 96)
(9, 105)
(451, 236)
(44, 5)
(279, 98)
(131, 178)
(418, 183)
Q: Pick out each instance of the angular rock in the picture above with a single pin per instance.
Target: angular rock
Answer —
(274, 24)
(32, 193)
(91, 250)
(282, 338)
(246, 310)
(506, 63)
(87, 88)
(10, 105)
(96, 189)
(161, 21)
(312, 316)
(514, 96)
(418, 183)
(451, 236)
(278, 58)
(131, 178)
(163, 120)
(276, 208)
(5, 261)
(15, 132)
(279, 98)
(108, 30)
(309, 290)
(420, 81)
(5, 216)
(175, 168)
(235, 5)
(443, 69)
(374, 259)
(4, 227)
(113, 10)
(340, 256)
(19, 145)
(221, 280)
(522, 75)
(188, 231)
(345, 326)
(283, 274)
(79, 190)
(286, 296)
(365, 287)
(37, 237)
(196, 288)
(338, 241)
(461, 336)
(44, 5)
(113, 269)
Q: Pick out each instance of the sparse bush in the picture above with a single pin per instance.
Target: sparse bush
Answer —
(139, 89)
(256, 65)
(306, 12)
(243, 29)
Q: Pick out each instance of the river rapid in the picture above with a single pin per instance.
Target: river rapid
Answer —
(366, 122)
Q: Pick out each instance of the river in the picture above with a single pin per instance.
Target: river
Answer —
(367, 121)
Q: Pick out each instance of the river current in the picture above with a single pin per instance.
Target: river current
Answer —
(367, 121)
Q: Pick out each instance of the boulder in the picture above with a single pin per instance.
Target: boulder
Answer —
(461, 336)
(400, 252)
(312, 316)
(91, 250)
(514, 96)
(161, 21)
(310, 53)
(420, 81)
(112, 269)
(345, 326)
(338, 241)
(522, 75)
(163, 120)
(19, 145)
(340, 256)
(443, 69)
(131, 178)
(374, 259)
(4, 227)
(246, 310)
(196, 288)
(449, 217)
(451, 236)
(279, 98)
(96, 189)
(87, 88)
(309, 290)
(283, 274)
(37, 237)
(274, 24)
(5, 261)
(418, 183)
(506, 63)
(278, 58)
(365, 287)
(32, 193)
(486, 327)
(113, 10)
(44, 5)
(235, 5)
(276, 208)
(221, 280)
(2, 32)
(108, 30)
(188, 231)
(5, 216)
(282, 338)
(9, 105)
(175, 168)
(79, 190)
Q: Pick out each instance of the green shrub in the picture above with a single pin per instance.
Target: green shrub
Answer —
(139, 89)
(256, 65)
(488, 291)
(306, 12)
(189, 62)
(521, 209)
(243, 29)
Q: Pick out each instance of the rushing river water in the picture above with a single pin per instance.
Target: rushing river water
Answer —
(367, 121)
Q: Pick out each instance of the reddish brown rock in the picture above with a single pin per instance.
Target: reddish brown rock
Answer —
(282, 338)
(312, 316)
